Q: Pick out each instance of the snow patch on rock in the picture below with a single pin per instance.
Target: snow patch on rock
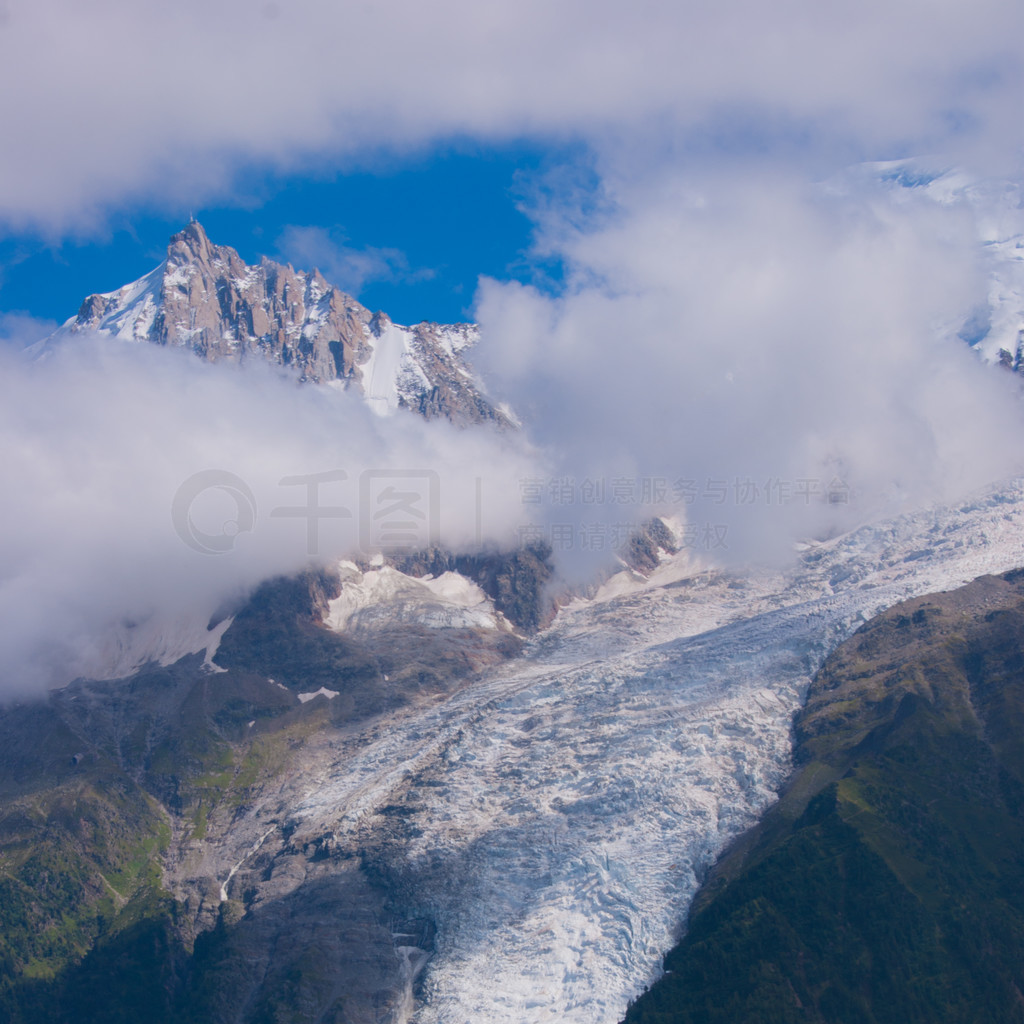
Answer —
(322, 692)
(382, 596)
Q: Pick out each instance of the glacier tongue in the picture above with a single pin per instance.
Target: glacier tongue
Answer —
(594, 796)
(554, 818)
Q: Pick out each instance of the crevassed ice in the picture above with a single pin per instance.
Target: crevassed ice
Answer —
(558, 813)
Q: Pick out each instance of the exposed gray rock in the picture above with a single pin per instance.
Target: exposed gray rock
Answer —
(207, 298)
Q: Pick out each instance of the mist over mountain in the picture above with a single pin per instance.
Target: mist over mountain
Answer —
(300, 417)
(751, 436)
(751, 341)
(356, 672)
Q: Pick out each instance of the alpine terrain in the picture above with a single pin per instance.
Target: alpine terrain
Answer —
(206, 298)
(437, 789)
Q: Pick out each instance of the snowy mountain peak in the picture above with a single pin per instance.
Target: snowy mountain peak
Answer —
(207, 298)
(195, 240)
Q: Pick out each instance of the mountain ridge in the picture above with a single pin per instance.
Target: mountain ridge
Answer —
(206, 298)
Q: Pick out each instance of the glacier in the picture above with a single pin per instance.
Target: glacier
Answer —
(554, 817)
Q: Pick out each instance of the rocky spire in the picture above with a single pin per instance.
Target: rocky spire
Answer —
(207, 298)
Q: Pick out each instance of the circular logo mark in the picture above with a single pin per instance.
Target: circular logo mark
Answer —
(185, 496)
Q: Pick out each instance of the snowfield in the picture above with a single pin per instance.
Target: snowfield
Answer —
(554, 818)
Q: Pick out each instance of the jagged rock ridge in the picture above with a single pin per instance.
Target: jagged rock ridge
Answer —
(207, 298)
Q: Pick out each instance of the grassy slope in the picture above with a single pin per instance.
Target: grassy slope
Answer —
(87, 932)
(887, 885)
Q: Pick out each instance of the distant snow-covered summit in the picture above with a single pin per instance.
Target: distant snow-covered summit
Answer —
(995, 328)
(207, 298)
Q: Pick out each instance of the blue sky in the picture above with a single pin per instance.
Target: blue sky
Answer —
(409, 136)
(427, 227)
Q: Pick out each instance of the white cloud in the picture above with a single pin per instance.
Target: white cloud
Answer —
(723, 318)
(99, 437)
(737, 329)
(349, 267)
(114, 100)
(18, 330)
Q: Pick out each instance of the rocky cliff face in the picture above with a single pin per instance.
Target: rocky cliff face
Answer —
(207, 298)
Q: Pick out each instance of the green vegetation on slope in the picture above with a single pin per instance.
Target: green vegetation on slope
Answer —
(90, 786)
(887, 885)
(103, 779)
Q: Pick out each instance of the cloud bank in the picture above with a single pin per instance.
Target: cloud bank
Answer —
(743, 336)
(101, 436)
(782, 358)
(119, 101)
